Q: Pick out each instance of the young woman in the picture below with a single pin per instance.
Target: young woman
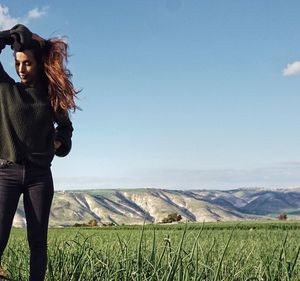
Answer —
(34, 126)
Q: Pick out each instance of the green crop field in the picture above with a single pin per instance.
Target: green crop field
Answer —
(211, 251)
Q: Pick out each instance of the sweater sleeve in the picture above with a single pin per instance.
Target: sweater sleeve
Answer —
(63, 133)
(4, 40)
(4, 77)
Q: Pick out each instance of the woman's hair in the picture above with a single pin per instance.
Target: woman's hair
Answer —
(53, 57)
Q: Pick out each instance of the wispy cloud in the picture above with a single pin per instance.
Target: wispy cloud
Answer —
(281, 175)
(292, 69)
(285, 174)
(36, 13)
(7, 21)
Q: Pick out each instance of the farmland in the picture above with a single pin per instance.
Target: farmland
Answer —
(210, 251)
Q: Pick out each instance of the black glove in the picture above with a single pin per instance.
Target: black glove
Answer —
(22, 37)
(5, 39)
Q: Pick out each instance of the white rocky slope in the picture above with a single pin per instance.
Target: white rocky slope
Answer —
(152, 205)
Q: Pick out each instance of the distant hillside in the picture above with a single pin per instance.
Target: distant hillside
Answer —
(135, 206)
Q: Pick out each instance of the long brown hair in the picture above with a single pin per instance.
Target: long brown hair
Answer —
(54, 57)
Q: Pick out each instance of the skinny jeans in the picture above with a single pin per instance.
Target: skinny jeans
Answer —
(36, 185)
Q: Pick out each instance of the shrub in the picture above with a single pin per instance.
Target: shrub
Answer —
(93, 223)
(80, 225)
(282, 216)
(172, 218)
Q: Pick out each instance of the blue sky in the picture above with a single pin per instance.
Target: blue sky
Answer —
(176, 94)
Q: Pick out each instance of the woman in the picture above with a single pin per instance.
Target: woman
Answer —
(34, 126)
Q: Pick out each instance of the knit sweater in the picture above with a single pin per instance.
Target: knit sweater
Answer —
(29, 126)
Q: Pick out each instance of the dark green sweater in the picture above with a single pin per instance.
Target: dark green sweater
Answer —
(27, 125)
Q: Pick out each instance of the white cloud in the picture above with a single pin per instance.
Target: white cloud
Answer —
(7, 21)
(36, 13)
(292, 69)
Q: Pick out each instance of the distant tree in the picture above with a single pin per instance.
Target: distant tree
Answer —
(172, 218)
(282, 216)
(165, 220)
(93, 223)
(178, 218)
(80, 225)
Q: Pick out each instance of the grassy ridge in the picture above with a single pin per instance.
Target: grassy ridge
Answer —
(212, 251)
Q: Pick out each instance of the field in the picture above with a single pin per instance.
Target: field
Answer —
(211, 251)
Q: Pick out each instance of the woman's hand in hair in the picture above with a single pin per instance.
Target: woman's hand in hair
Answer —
(21, 36)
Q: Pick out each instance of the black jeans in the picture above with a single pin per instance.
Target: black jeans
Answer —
(36, 184)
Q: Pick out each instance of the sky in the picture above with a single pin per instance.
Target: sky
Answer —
(176, 94)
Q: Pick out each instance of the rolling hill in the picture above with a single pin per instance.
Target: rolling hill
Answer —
(134, 206)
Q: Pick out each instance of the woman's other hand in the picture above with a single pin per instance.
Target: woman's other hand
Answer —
(57, 145)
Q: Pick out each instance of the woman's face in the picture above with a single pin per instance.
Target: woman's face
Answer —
(26, 67)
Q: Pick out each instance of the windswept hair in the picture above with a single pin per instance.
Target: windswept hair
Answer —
(58, 77)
